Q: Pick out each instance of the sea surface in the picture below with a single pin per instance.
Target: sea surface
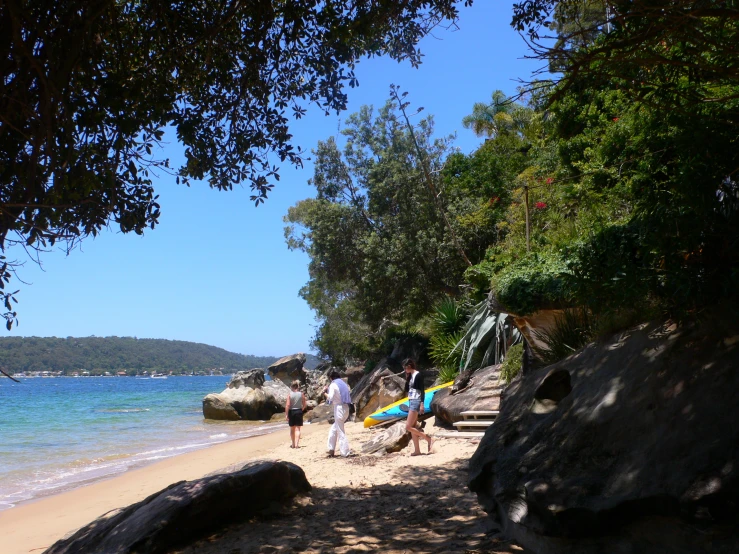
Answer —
(60, 433)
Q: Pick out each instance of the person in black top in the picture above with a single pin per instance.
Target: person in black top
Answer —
(414, 387)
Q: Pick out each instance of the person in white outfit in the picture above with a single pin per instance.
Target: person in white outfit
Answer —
(339, 397)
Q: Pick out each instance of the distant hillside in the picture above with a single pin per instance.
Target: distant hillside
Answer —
(100, 354)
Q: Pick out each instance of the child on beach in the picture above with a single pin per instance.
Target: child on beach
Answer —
(414, 387)
(294, 408)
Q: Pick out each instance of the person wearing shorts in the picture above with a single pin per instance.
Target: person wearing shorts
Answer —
(294, 408)
(414, 387)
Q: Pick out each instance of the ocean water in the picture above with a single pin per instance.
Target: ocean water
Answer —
(65, 432)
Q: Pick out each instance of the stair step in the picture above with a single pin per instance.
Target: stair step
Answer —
(460, 434)
(473, 423)
(479, 414)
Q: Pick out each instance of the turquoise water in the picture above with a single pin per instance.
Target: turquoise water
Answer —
(61, 433)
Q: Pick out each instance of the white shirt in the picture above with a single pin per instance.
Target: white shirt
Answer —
(413, 393)
(334, 394)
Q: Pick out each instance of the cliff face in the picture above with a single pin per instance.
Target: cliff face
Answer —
(630, 445)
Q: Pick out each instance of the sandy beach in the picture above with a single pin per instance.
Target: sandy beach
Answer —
(393, 503)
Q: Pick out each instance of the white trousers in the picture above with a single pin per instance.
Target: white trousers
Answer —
(341, 414)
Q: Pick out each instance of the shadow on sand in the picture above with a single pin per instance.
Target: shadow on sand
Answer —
(428, 509)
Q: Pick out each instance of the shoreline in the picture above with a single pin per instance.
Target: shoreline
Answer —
(35, 524)
(445, 515)
(133, 461)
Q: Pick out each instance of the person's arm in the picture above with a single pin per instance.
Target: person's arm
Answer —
(305, 404)
(422, 386)
(287, 407)
(407, 385)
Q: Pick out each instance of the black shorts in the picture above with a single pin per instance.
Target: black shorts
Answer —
(295, 417)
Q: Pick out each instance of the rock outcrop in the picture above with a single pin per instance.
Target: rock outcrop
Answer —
(482, 392)
(378, 388)
(288, 369)
(187, 510)
(630, 445)
(252, 378)
(393, 439)
(239, 401)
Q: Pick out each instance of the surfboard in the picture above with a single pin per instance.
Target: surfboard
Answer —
(399, 409)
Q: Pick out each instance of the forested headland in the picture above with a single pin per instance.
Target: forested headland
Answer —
(97, 355)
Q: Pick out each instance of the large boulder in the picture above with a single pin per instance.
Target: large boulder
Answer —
(378, 388)
(185, 511)
(393, 439)
(482, 392)
(316, 383)
(354, 375)
(245, 402)
(252, 378)
(288, 369)
(630, 445)
(215, 407)
(323, 413)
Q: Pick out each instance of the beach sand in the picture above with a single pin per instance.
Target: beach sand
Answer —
(393, 503)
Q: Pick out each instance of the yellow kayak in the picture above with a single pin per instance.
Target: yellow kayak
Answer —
(399, 409)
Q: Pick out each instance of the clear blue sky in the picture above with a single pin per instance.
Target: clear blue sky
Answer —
(216, 270)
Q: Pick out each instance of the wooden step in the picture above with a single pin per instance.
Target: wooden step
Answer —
(460, 434)
(473, 423)
(480, 414)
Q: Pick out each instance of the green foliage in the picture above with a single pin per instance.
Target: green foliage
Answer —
(380, 250)
(511, 365)
(449, 316)
(98, 354)
(536, 281)
(486, 337)
(443, 351)
(89, 88)
(447, 373)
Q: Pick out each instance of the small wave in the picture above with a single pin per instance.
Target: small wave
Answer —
(218, 436)
(122, 410)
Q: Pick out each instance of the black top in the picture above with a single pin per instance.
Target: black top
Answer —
(416, 382)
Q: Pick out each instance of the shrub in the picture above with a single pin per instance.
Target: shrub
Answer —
(511, 365)
(534, 282)
(448, 373)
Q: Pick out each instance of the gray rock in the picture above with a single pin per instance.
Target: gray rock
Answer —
(630, 445)
(215, 407)
(252, 378)
(378, 388)
(277, 392)
(288, 369)
(393, 439)
(482, 392)
(320, 414)
(185, 511)
(354, 375)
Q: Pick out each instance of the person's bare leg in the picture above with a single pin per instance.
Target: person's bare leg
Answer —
(300, 436)
(410, 426)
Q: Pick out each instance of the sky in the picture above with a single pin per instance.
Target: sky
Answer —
(216, 269)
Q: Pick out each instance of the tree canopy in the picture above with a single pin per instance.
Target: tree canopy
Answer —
(88, 89)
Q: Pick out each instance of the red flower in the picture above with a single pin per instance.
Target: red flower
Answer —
(615, 119)
(540, 205)
(550, 181)
(494, 200)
